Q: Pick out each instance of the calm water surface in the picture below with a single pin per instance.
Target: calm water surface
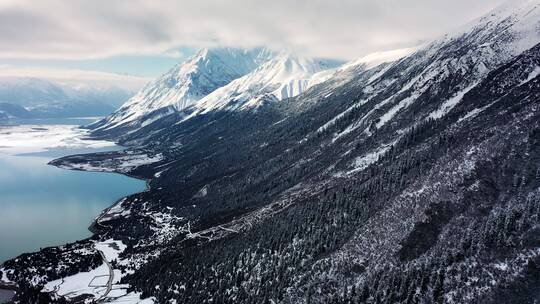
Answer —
(41, 205)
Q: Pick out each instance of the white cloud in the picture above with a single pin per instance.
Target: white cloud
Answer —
(174, 54)
(76, 78)
(342, 28)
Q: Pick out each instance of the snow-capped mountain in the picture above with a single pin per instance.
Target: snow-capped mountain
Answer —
(287, 75)
(473, 50)
(186, 83)
(218, 79)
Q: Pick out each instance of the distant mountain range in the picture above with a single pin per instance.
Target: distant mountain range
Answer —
(408, 176)
(22, 97)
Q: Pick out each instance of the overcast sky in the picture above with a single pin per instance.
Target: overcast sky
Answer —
(145, 37)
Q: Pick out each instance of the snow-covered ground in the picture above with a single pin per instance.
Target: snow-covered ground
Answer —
(90, 282)
(38, 138)
(123, 164)
(95, 282)
(110, 248)
(4, 279)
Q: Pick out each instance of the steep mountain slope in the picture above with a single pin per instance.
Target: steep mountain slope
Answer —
(186, 83)
(413, 181)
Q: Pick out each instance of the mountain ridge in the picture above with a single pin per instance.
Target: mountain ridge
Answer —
(186, 83)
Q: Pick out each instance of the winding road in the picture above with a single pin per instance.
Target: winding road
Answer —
(109, 282)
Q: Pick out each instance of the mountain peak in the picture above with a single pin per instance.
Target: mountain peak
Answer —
(188, 82)
(216, 78)
(284, 76)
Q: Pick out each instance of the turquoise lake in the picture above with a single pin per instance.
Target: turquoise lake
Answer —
(41, 205)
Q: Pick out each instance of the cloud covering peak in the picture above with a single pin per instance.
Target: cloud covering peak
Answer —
(343, 29)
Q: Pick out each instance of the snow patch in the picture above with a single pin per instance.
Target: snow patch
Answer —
(374, 59)
(450, 103)
(395, 109)
(110, 249)
(532, 75)
(93, 282)
(362, 162)
(501, 266)
(474, 112)
(202, 192)
(79, 284)
(4, 278)
(123, 164)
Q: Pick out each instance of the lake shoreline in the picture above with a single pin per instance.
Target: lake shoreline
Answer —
(9, 289)
(60, 163)
(95, 222)
(92, 227)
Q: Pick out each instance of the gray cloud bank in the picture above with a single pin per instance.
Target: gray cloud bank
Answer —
(74, 29)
